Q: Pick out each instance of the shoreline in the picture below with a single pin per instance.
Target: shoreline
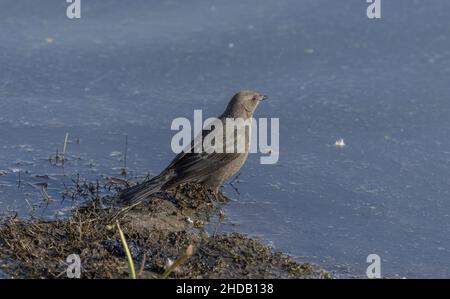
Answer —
(157, 232)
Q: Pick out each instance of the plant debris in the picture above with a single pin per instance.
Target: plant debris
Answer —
(158, 232)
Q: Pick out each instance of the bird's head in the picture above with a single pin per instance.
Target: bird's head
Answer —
(243, 104)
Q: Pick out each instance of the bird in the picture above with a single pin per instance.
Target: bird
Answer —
(207, 168)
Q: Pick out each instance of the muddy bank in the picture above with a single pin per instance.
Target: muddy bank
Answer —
(158, 232)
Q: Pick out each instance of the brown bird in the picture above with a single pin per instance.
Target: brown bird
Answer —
(210, 169)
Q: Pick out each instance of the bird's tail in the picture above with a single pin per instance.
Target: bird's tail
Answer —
(143, 190)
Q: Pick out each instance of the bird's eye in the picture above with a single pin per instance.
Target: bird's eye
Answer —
(254, 98)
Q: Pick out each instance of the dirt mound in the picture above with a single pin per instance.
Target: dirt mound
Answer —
(158, 232)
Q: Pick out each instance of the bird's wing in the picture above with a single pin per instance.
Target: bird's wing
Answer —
(190, 149)
(198, 167)
(189, 165)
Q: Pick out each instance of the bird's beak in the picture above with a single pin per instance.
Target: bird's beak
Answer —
(263, 97)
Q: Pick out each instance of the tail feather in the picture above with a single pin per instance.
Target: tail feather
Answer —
(143, 190)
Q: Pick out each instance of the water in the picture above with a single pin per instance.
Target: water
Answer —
(330, 72)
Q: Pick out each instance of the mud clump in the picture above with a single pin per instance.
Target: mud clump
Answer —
(158, 232)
